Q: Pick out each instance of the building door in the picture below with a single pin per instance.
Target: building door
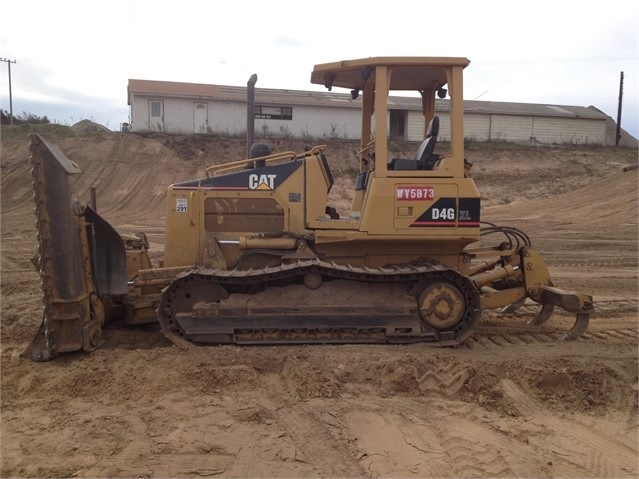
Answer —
(156, 115)
(200, 118)
(397, 125)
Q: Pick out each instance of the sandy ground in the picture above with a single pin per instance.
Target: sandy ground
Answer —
(511, 402)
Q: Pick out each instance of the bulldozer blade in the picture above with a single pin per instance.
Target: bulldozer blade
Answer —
(80, 258)
(37, 350)
(108, 256)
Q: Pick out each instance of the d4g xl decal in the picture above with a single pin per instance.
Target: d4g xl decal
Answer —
(445, 213)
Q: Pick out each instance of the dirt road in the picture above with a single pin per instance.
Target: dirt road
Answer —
(511, 402)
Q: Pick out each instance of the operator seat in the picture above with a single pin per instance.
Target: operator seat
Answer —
(258, 150)
(426, 149)
(425, 159)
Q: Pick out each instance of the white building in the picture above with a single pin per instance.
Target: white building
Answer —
(186, 108)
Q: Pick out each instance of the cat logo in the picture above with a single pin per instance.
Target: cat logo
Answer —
(262, 182)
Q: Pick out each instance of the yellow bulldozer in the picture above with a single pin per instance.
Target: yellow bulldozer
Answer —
(254, 254)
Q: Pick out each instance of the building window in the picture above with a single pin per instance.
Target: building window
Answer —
(274, 112)
(156, 108)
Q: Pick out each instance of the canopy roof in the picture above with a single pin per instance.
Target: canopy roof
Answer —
(408, 73)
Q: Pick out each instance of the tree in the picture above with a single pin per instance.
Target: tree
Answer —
(5, 118)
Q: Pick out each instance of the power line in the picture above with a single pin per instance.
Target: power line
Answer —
(9, 62)
(477, 97)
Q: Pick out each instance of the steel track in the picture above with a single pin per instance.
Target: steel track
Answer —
(296, 324)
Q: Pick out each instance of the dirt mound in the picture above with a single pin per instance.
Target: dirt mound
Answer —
(616, 202)
(88, 126)
(511, 402)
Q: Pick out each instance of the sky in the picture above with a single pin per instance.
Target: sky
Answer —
(74, 57)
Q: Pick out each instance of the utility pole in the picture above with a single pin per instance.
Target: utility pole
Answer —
(9, 62)
(618, 135)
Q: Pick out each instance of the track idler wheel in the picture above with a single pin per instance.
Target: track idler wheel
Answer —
(441, 305)
(188, 296)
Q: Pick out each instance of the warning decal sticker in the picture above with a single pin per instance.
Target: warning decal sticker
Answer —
(181, 205)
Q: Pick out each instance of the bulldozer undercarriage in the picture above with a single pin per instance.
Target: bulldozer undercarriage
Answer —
(315, 301)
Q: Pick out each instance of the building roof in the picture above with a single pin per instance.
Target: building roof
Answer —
(284, 97)
(532, 109)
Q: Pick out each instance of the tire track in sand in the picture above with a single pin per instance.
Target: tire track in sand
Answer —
(593, 450)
